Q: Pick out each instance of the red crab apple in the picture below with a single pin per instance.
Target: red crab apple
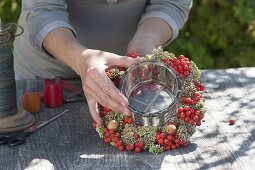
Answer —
(113, 124)
(171, 129)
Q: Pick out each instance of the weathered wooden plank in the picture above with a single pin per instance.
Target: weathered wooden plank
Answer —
(71, 142)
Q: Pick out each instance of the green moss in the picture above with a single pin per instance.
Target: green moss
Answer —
(100, 130)
(155, 149)
(147, 134)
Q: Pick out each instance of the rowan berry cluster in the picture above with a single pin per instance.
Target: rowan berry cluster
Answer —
(114, 137)
(170, 142)
(189, 115)
(199, 86)
(138, 146)
(192, 101)
(181, 65)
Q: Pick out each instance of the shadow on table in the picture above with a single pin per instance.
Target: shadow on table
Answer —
(230, 94)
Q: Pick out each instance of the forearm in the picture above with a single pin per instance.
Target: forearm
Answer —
(155, 29)
(62, 44)
(151, 33)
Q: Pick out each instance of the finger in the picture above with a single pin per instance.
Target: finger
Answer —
(93, 108)
(97, 80)
(106, 100)
(123, 61)
(107, 86)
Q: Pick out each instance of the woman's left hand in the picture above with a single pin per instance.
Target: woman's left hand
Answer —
(141, 45)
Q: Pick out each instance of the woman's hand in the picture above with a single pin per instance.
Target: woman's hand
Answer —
(90, 65)
(141, 45)
(151, 34)
(97, 87)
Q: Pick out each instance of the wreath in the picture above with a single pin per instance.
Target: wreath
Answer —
(121, 132)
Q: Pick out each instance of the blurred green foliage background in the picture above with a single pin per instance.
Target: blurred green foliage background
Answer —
(218, 34)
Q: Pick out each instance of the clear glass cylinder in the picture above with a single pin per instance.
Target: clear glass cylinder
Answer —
(153, 90)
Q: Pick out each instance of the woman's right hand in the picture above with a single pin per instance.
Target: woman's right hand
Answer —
(97, 87)
(90, 65)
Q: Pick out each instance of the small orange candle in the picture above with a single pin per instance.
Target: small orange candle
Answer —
(31, 102)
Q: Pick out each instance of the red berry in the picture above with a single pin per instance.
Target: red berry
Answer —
(129, 146)
(186, 108)
(140, 144)
(111, 131)
(185, 67)
(121, 148)
(188, 113)
(198, 123)
(94, 125)
(136, 136)
(180, 109)
(186, 73)
(195, 118)
(138, 149)
(177, 141)
(188, 100)
(181, 142)
(202, 88)
(112, 136)
(107, 109)
(180, 68)
(177, 62)
(115, 139)
(162, 135)
(197, 83)
(192, 110)
(183, 99)
(197, 113)
(170, 137)
(132, 55)
(119, 142)
(231, 121)
(182, 115)
(187, 119)
(182, 57)
(107, 139)
(196, 99)
(168, 147)
(107, 134)
(160, 141)
(158, 137)
(128, 120)
(105, 130)
(166, 141)
(181, 75)
(191, 121)
(173, 146)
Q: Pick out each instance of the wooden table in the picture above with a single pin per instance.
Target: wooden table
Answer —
(72, 143)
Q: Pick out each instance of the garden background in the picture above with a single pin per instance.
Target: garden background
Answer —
(218, 34)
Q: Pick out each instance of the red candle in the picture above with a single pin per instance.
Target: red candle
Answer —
(53, 93)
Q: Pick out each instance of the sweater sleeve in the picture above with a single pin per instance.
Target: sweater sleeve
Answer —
(173, 12)
(43, 17)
